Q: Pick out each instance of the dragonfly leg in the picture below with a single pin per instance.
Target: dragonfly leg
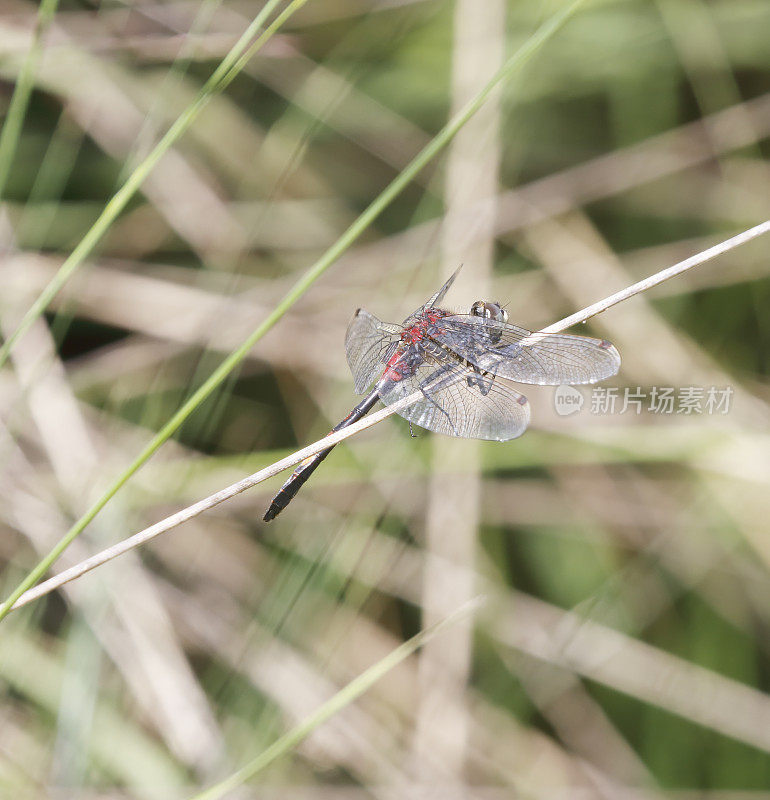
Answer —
(448, 418)
(481, 380)
(434, 383)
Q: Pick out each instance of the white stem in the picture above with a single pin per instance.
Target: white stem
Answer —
(334, 438)
(659, 277)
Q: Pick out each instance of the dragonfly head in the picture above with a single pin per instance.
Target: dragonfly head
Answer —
(489, 310)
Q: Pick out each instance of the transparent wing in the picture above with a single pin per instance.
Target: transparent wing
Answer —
(439, 296)
(368, 343)
(457, 401)
(520, 355)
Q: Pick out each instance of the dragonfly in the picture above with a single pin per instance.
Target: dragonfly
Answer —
(458, 368)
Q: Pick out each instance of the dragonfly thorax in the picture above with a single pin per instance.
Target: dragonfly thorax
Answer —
(417, 325)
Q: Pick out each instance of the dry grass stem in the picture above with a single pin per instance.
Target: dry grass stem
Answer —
(659, 277)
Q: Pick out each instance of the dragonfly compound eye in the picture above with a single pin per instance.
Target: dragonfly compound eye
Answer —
(479, 309)
(489, 310)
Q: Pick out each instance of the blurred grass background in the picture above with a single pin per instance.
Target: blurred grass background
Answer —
(623, 650)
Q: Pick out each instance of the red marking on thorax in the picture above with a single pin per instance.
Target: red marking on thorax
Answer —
(416, 332)
(411, 336)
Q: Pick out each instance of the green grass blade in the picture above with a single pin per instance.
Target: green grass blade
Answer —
(343, 698)
(227, 70)
(521, 56)
(17, 109)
